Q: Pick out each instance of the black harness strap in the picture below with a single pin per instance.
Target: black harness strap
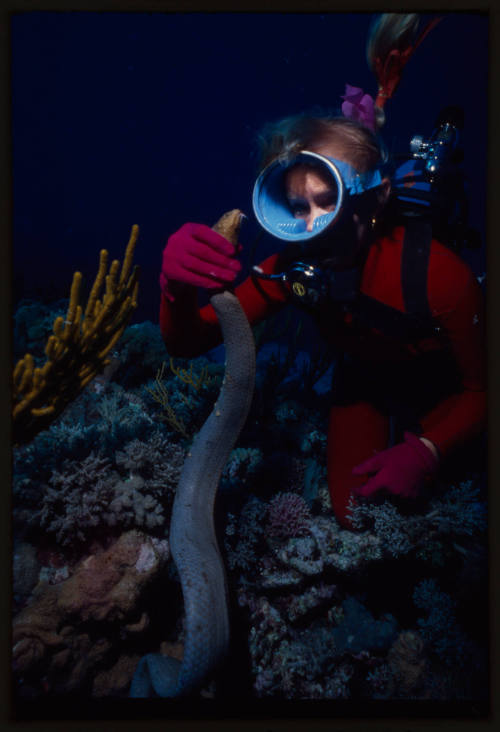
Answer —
(414, 267)
(407, 327)
(416, 322)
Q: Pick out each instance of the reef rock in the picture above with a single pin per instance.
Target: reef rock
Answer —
(116, 680)
(63, 635)
(326, 546)
(359, 631)
(408, 661)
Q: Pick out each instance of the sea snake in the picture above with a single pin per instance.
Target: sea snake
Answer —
(192, 533)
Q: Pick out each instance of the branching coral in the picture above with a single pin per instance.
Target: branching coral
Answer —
(325, 546)
(158, 462)
(77, 349)
(203, 378)
(440, 628)
(178, 408)
(243, 535)
(362, 651)
(85, 496)
(77, 498)
(139, 354)
(160, 394)
(458, 512)
(123, 416)
(357, 650)
(32, 321)
(288, 515)
(317, 661)
(243, 464)
(100, 423)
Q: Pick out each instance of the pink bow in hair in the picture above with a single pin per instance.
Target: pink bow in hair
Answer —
(359, 106)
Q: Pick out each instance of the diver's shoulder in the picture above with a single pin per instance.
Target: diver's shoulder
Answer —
(390, 241)
(440, 255)
(449, 278)
(443, 256)
(448, 275)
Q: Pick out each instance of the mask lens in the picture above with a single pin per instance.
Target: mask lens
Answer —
(283, 219)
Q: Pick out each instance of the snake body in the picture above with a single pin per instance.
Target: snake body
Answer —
(192, 533)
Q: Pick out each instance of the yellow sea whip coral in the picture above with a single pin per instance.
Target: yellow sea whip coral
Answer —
(77, 349)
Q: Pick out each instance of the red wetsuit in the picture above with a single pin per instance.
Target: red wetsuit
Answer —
(447, 406)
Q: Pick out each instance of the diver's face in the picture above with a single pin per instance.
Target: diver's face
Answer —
(309, 194)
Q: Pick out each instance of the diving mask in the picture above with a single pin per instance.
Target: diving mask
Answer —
(271, 206)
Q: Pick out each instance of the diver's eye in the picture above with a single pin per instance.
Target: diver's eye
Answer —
(329, 201)
(298, 209)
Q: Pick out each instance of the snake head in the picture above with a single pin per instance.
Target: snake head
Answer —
(229, 224)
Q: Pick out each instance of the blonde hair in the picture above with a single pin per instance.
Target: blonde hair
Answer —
(283, 139)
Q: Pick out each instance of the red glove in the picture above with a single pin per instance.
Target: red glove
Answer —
(198, 256)
(400, 470)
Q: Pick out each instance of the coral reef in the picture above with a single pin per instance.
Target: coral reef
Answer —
(188, 397)
(327, 546)
(25, 571)
(242, 466)
(76, 499)
(139, 354)
(450, 515)
(440, 628)
(98, 423)
(358, 631)
(32, 321)
(394, 609)
(310, 637)
(287, 515)
(244, 534)
(91, 494)
(317, 661)
(408, 662)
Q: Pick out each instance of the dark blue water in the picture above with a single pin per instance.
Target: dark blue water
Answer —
(122, 118)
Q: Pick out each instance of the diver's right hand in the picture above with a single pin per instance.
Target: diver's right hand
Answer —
(197, 255)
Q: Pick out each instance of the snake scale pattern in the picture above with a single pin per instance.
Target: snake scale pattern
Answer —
(192, 533)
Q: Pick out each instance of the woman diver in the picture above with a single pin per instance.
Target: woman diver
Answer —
(405, 311)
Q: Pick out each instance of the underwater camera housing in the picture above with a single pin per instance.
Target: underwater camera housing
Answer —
(430, 184)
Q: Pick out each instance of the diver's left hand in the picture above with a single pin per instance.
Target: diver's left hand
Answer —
(400, 470)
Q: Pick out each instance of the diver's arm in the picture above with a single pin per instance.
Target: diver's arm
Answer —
(185, 332)
(194, 256)
(463, 415)
(403, 468)
(189, 331)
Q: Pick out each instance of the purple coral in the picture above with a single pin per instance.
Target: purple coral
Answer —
(287, 515)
